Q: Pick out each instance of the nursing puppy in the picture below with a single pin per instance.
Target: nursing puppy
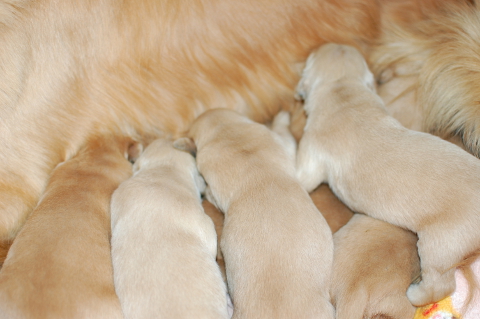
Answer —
(60, 264)
(163, 244)
(277, 246)
(411, 179)
(374, 263)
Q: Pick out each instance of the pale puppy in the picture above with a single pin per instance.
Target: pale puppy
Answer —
(378, 167)
(60, 265)
(277, 247)
(163, 244)
(374, 263)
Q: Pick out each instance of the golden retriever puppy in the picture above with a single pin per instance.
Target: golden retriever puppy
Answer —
(376, 166)
(59, 266)
(277, 247)
(374, 263)
(427, 57)
(146, 68)
(163, 244)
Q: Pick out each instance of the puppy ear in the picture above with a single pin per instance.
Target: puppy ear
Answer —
(134, 151)
(301, 90)
(187, 145)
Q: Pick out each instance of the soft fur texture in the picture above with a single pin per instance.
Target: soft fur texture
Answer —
(146, 68)
(376, 166)
(277, 247)
(333, 210)
(163, 244)
(427, 61)
(60, 265)
(374, 263)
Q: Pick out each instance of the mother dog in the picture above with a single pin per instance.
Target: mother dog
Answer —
(145, 68)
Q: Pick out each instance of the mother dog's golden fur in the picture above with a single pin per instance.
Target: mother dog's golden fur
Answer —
(145, 68)
(428, 57)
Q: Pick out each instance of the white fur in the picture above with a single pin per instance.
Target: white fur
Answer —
(376, 166)
(163, 245)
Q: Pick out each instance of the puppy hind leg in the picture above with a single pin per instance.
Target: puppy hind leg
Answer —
(433, 287)
(438, 278)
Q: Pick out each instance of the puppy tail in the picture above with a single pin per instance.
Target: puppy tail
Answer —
(353, 306)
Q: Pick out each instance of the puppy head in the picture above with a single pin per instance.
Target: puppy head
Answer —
(160, 152)
(207, 124)
(333, 62)
(133, 151)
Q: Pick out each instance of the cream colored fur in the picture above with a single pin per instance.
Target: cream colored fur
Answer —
(374, 263)
(163, 245)
(376, 166)
(60, 265)
(277, 246)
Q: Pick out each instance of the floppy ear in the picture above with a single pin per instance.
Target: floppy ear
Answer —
(134, 151)
(301, 90)
(187, 145)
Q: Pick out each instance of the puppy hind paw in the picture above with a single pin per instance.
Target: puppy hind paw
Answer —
(421, 295)
(418, 296)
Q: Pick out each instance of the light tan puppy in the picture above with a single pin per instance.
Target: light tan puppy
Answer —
(374, 263)
(59, 265)
(163, 244)
(277, 246)
(376, 166)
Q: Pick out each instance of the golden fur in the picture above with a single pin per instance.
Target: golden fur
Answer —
(145, 68)
(59, 265)
(374, 263)
(277, 247)
(163, 244)
(377, 167)
(428, 57)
